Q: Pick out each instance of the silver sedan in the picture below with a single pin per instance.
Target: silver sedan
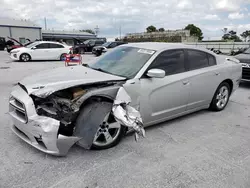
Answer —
(128, 88)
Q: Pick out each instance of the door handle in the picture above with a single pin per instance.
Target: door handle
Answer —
(185, 82)
(217, 73)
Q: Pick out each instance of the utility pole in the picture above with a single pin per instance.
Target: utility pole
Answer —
(120, 31)
(97, 30)
(45, 23)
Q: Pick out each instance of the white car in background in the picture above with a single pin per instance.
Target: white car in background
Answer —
(41, 50)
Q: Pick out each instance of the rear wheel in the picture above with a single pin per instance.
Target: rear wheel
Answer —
(25, 57)
(221, 97)
(81, 51)
(62, 57)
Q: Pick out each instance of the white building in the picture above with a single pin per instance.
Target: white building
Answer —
(19, 30)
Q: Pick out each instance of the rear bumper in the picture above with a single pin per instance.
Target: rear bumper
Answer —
(39, 131)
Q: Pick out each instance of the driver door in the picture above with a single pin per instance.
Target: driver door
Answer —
(41, 52)
(165, 98)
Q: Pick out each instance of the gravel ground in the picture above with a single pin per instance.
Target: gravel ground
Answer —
(204, 149)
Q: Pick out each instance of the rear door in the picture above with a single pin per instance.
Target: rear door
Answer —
(41, 52)
(56, 50)
(203, 76)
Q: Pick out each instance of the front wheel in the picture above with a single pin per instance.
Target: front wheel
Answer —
(25, 57)
(109, 132)
(221, 97)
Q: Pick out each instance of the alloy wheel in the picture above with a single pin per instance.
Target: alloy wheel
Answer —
(25, 57)
(222, 97)
(107, 132)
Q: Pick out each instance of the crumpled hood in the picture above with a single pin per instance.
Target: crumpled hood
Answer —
(47, 82)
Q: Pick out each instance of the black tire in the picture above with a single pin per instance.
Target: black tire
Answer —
(25, 57)
(214, 104)
(62, 56)
(81, 51)
(98, 53)
(84, 115)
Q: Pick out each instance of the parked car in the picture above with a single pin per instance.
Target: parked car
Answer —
(10, 45)
(244, 59)
(41, 50)
(87, 46)
(2, 43)
(51, 111)
(238, 51)
(98, 50)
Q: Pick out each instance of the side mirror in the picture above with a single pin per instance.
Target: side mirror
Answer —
(33, 48)
(156, 73)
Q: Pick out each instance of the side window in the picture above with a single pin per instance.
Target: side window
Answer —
(42, 46)
(112, 45)
(211, 59)
(51, 45)
(98, 42)
(171, 61)
(197, 59)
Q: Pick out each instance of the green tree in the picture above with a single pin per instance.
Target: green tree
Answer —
(245, 35)
(151, 29)
(194, 31)
(231, 35)
(88, 31)
(161, 29)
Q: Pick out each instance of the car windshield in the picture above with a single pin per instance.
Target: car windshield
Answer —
(31, 45)
(247, 51)
(86, 41)
(123, 61)
(106, 44)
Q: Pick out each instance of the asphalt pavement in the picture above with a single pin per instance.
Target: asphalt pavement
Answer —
(204, 150)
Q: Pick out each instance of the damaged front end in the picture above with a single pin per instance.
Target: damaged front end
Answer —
(48, 123)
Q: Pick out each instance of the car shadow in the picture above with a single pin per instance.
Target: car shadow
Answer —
(245, 84)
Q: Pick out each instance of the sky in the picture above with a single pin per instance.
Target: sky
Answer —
(133, 15)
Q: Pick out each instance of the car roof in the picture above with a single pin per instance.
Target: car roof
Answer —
(159, 46)
(51, 42)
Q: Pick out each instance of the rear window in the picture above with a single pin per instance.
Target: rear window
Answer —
(211, 59)
(197, 59)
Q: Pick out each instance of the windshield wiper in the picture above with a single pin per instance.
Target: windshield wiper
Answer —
(85, 65)
(101, 70)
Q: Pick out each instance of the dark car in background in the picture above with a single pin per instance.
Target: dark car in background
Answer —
(98, 50)
(2, 43)
(244, 59)
(87, 46)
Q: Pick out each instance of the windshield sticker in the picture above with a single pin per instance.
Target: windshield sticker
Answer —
(146, 51)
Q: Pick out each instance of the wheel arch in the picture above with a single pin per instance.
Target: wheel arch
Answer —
(230, 83)
(23, 54)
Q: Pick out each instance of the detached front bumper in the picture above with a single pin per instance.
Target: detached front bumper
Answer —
(38, 131)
